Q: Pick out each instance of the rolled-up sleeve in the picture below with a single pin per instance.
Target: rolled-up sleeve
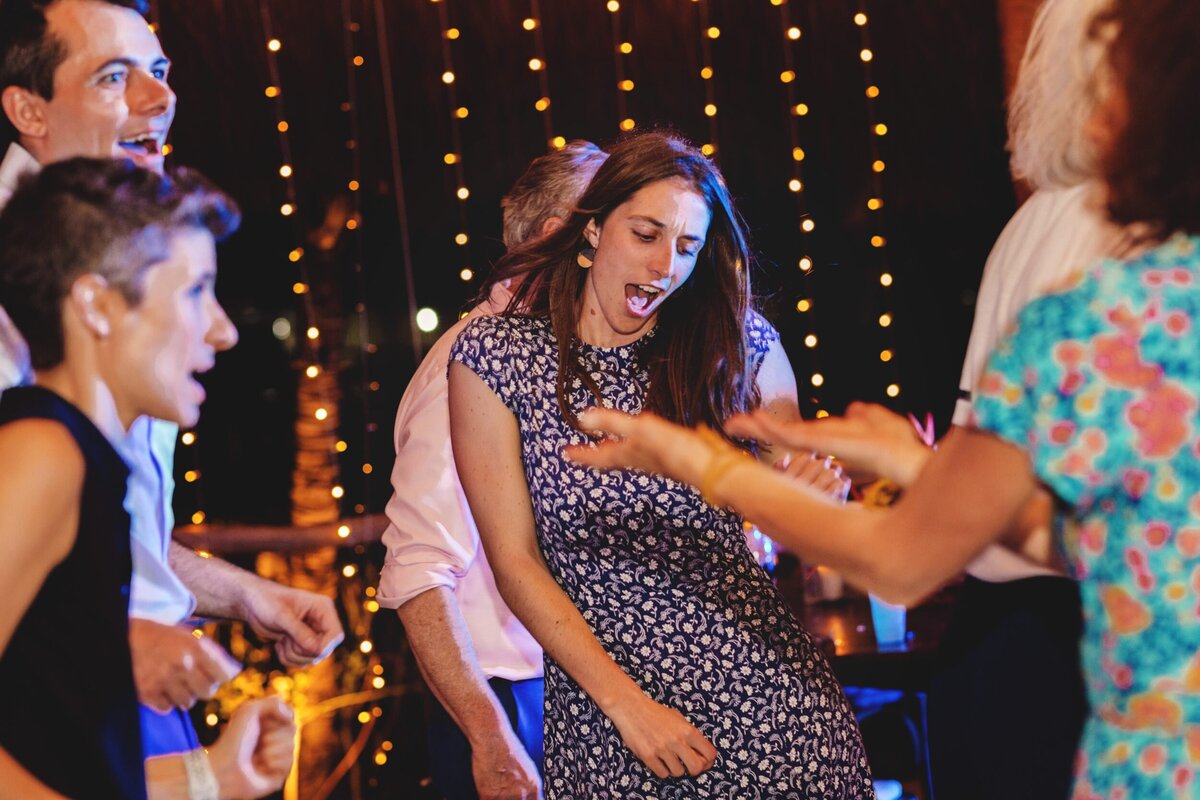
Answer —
(431, 539)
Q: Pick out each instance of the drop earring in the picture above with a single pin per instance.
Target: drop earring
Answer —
(586, 257)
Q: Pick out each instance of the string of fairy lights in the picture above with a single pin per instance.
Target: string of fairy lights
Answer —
(454, 157)
(878, 241)
(796, 112)
(537, 64)
(708, 33)
(622, 49)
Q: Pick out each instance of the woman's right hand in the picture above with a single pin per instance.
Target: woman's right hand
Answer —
(662, 738)
(253, 755)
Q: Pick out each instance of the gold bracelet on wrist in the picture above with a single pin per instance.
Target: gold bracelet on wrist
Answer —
(722, 458)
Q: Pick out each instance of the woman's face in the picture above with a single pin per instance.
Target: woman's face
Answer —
(645, 250)
(160, 345)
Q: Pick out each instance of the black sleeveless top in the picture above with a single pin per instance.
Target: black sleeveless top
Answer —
(68, 707)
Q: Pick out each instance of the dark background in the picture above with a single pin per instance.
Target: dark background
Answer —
(946, 188)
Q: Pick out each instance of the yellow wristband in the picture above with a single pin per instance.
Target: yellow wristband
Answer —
(722, 458)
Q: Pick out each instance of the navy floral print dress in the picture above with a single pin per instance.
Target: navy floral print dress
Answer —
(672, 593)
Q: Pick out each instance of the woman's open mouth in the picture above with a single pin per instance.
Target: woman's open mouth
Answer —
(640, 298)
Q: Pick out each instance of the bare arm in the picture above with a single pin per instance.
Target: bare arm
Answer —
(304, 625)
(968, 495)
(39, 492)
(442, 645)
(487, 452)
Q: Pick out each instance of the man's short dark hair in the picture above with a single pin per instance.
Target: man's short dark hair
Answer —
(29, 55)
(102, 216)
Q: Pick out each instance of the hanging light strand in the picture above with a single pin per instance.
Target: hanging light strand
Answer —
(708, 75)
(354, 62)
(796, 112)
(458, 113)
(621, 50)
(877, 130)
(537, 64)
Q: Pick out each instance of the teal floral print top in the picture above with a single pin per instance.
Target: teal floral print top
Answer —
(1100, 386)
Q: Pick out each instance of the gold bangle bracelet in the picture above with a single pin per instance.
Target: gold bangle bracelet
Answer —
(722, 458)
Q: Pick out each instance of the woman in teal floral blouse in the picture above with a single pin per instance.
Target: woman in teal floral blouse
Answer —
(1095, 395)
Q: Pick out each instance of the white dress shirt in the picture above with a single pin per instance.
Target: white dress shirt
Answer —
(149, 450)
(432, 539)
(1054, 234)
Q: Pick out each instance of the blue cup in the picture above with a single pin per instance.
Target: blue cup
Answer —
(891, 633)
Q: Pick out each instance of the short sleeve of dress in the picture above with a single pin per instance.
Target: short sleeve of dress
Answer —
(1041, 391)
(760, 335)
(490, 347)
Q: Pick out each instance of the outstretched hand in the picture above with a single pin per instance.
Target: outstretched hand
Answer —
(303, 625)
(869, 440)
(643, 441)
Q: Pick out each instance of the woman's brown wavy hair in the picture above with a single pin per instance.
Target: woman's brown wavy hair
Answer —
(1152, 170)
(697, 359)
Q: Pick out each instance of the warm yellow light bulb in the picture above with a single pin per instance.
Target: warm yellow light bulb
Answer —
(707, 149)
(542, 103)
(365, 645)
(466, 275)
(463, 193)
(535, 64)
(803, 305)
(625, 85)
(558, 142)
(529, 24)
(340, 446)
(628, 124)
(287, 209)
(885, 320)
(321, 414)
(613, 6)
(878, 166)
(343, 531)
(447, 77)
(461, 239)
(274, 45)
(713, 32)
(860, 19)
(282, 127)
(352, 186)
(188, 438)
(787, 76)
(800, 109)
(453, 33)
(337, 492)
(805, 263)
(211, 720)
(893, 390)
(817, 379)
(350, 571)
(285, 171)
(706, 72)
(885, 279)
(874, 204)
(313, 333)
(626, 48)
(881, 129)
(878, 241)
(462, 112)
(793, 33)
(710, 110)
(807, 225)
(810, 340)
(865, 54)
(872, 92)
(296, 254)
(271, 91)
(312, 371)
(198, 518)
(885, 356)
(191, 476)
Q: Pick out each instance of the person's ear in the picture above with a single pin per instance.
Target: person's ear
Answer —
(91, 300)
(550, 225)
(25, 110)
(591, 232)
